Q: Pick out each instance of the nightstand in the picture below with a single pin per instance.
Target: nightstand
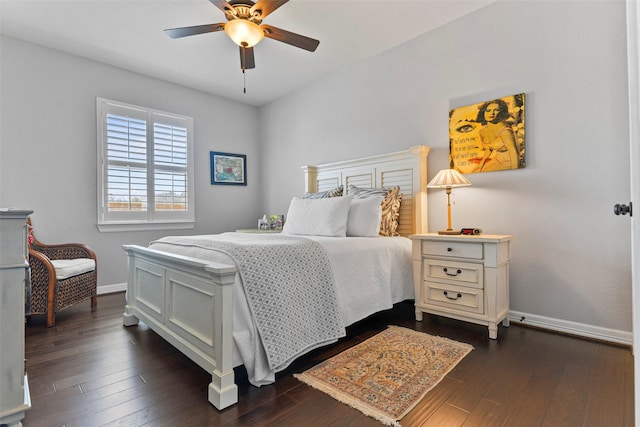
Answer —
(463, 277)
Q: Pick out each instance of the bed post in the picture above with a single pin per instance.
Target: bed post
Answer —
(223, 391)
(420, 221)
(310, 178)
(128, 318)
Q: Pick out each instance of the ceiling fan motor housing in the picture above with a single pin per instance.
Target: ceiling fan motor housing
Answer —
(242, 10)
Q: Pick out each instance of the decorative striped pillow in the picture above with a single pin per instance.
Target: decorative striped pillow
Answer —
(390, 206)
(336, 192)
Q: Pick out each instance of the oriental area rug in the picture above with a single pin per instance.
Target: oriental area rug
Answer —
(385, 376)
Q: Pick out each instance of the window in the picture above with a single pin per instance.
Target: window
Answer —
(145, 168)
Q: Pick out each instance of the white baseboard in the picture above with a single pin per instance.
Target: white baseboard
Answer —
(573, 328)
(109, 289)
(558, 325)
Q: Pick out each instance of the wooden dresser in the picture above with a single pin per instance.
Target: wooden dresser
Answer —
(14, 267)
(463, 277)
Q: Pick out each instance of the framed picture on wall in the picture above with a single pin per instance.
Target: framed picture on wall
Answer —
(488, 136)
(228, 169)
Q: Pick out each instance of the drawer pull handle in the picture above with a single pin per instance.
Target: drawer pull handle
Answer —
(449, 249)
(452, 298)
(458, 271)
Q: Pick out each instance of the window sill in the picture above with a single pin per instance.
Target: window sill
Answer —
(116, 227)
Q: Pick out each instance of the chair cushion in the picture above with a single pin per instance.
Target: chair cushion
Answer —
(66, 268)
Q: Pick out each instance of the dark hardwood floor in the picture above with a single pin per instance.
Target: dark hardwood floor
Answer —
(89, 370)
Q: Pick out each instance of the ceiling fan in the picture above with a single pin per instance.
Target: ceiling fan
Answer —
(244, 28)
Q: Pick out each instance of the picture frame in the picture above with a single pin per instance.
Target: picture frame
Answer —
(488, 136)
(228, 168)
(276, 222)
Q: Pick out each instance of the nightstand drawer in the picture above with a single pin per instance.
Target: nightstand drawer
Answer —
(457, 273)
(453, 249)
(456, 297)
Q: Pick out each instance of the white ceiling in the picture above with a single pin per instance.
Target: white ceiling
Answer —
(128, 34)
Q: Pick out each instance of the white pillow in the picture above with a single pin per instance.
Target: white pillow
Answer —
(318, 217)
(364, 217)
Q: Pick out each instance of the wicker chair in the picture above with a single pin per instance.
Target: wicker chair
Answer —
(49, 294)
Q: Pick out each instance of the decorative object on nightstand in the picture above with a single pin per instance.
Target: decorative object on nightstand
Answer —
(263, 223)
(463, 277)
(448, 179)
(276, 222)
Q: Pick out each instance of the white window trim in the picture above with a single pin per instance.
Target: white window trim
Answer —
(150, 220)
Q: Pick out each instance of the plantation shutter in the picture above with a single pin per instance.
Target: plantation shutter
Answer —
(145, 165)
(127, 163)
(170, 166)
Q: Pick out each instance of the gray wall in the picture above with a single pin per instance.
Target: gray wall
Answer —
(48, 148)
(571, 256)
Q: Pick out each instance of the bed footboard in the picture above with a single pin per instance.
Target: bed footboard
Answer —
(188, 302)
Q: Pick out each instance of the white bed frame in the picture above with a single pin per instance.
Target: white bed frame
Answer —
(189, 302)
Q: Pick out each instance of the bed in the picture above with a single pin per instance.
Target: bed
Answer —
(200, 293)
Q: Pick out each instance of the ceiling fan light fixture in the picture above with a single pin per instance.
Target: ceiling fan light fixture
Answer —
(244, 33)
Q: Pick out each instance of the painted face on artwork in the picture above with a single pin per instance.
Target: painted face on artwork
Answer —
(465, 144)
(491, 113)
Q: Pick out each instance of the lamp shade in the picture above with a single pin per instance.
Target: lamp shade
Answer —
(244, 33)
(448, 178)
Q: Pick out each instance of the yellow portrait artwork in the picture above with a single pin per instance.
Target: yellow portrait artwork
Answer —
(488, 136)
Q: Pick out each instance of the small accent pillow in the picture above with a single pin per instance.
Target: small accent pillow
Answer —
(365, 216)
(390, 206)
(318, 217)
(336, 192)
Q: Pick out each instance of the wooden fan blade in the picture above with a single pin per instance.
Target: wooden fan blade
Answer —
(288, 37)
(176, 33)
(247, 61)
(266, 7)
(222, 5)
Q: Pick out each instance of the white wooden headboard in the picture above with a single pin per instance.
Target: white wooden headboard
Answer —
(405, 169)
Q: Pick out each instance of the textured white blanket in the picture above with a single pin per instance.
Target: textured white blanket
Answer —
(289, 286)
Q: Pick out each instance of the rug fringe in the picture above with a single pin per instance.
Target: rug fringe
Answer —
(367, 410)
(449, 340)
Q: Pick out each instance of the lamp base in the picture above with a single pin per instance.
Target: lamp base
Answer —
(449, 232)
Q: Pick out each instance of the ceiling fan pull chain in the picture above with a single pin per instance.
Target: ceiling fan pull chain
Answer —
(244, 62)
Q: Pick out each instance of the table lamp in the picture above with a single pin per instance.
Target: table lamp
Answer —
(447, 179)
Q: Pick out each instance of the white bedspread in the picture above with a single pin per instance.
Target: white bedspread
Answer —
(371, 274)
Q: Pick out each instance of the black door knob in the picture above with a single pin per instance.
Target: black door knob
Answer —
(619, 209)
